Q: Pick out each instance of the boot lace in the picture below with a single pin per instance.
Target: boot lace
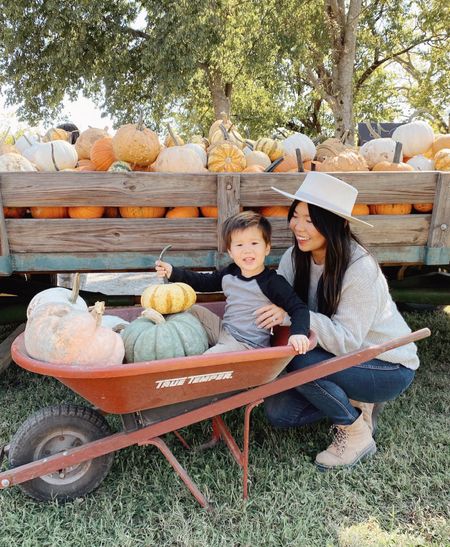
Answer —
(340, 439)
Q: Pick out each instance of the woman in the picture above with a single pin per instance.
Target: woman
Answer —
(350, 308)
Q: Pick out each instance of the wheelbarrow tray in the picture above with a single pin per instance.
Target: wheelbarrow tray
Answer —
(121, 389)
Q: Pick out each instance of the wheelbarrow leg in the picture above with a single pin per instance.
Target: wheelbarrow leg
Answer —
(179, 469)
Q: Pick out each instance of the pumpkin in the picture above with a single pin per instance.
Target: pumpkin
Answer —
(56, 134)
(345, 161)
(330, 148)
(254, 169)
(142, 212)
(222, 120)
(378, 150)
(183, 212)
(441, 160)
(227, 135)
(360, 209)
(179, 159)
(395, 164)
(54, 156)
(86, 212)
(421, 163)
(86, 165)
(48, 212)
(134, 143)
(120, 167)
(173, 139)
(416, 137)
(256, 157)
(57, 333)
(226, 157)
(201, 141)
(423, 207)
(391, 209)
(210, 211)
(102, 155)
(14, 212)
(271, 147)
(86, 140)
(111, 212)
(12, 162)
(168, 297)
(289, 162)
(26, 141)
(441, 141)
(301, 141)
(152, 337)
(113, 322)
(59, 295)
(275, 211)
(198, 149)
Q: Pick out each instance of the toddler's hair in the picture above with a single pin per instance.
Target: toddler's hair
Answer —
(242, 221)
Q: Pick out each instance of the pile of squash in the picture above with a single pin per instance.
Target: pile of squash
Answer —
(134, 147)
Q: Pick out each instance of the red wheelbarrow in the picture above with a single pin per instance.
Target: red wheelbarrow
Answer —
(65, 451)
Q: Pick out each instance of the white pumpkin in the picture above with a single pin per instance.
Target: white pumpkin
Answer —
(198, 149)
(15, 162)
(416, 137)
(256, 157)
(178, 159)
(26, 141)
(113, 322)
(59, 295)
(301, 141)
(54, 156)
(421, 163)
(58, 333)
(378, 150)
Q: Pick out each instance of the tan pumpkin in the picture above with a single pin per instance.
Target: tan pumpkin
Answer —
(142, 212)
(223, 120)
(254, 169)
(360, 209)
(330, 148)
(178, 159)
(168, 297)
(49, 212)
(202, 141)
(226, 157)
(209, 211)
(423, 207)
(86, 140)
(86, 212)
(442, 160)
(273, 148)
(183, 212)
(12, 162)
(102, 154)
(441, 141)
(345, 161)
(56, 134)
(135, 143)
(173, 139)
(256, 157)
(14, 212)
(275, 211)
(391, 209)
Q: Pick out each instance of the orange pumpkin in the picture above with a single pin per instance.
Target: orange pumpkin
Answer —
(275, 211)
(226, 157)
(289, 164)
(86, 212)
(209, 211)
(391, 209)
(85, 165)
(423, 207)
(360, 209)
(102, 155)
(134, 143)
(183, 212)
(111, 212)
(48, 212)
(14, 212)
(142, 212)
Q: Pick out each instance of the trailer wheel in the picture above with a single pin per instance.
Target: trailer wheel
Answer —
(53, 430)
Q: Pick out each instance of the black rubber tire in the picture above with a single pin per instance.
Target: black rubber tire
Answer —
(55, 429)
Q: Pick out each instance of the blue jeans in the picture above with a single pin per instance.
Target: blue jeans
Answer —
(375, 381)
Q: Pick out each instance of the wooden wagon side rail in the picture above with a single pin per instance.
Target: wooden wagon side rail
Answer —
(115, 244)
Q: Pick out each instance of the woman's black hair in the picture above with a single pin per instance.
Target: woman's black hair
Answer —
(337, 232)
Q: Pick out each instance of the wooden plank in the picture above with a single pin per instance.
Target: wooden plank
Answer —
(373, 187)
(439, 235)
(388, 230)
(5, 347)
(109, 189)
(228, 201)
(5, 261)
(110, 235)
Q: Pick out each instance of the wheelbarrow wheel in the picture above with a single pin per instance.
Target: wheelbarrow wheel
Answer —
(53, 430)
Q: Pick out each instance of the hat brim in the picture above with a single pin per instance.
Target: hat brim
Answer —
(308, 199)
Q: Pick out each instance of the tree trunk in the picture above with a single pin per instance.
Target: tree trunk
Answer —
(220, 93)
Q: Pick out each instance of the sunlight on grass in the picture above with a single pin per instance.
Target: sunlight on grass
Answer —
(370, 534)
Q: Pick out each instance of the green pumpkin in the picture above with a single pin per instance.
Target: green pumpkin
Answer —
(153, 337)
(120, 167)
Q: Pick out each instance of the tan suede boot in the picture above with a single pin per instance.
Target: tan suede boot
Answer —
(370, 412)
(351, 443)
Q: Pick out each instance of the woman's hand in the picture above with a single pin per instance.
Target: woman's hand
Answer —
(163, 269)
(269, 316)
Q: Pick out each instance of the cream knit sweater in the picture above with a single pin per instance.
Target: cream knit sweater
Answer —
(366, 313)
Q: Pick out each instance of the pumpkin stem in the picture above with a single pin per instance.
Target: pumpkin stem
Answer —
(75, 288)
(298, 154)
(97, 313)
(3, 139)
(153, 316)
(224, 132)
(273, 165)
(140, 123)
(398, 151)
(224, 116)
(174, 136)
(372, 131)
(250, 145)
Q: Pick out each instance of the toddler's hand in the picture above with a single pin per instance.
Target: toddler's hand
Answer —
(299, 342)
(163, 269)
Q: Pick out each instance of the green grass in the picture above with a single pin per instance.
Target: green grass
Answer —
(399, 497)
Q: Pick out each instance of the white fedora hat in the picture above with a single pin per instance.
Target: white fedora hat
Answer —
(327, 192)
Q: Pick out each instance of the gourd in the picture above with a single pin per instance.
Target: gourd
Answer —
(168, 297)
(442, 160)
(256, 157)
(172, 139)
(134, 143)
(254, 169)
(102, 155)
(210, 211)
(142, 212)
(273, 148)
(226, 157)
(153, 337)
(441, 141)
(391, 209)
(12, 162)
(301, 141)
(120, 167)
(395, 164)
(54, 156)
(59, 295)
(179, 159)
(345, 161)
(198, 149)
(416, 137)
(86, 212)
(183, 212)
(421, 163)
(56, 134)
(378, 150)
(85, 165)
(59, 333)
(223, 120)
(48, 212)
(86, 140)
(227, 135)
